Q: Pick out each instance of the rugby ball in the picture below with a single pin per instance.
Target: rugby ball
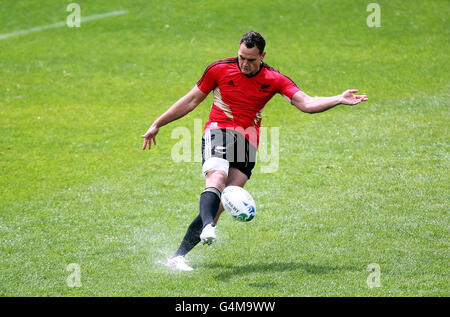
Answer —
(238, 203)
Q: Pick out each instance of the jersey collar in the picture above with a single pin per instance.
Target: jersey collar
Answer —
(250, 76)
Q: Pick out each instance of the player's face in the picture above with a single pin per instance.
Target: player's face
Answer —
(249, 59)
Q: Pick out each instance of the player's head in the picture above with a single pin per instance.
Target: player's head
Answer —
(251, 52)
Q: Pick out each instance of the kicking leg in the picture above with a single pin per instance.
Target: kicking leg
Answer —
(210, 198)
(209, 205)
(210, 202)
(235, 178)
(192, 237)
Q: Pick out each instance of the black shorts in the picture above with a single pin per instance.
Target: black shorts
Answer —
(231, 146)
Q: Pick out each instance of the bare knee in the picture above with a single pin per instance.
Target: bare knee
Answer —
(217, 179)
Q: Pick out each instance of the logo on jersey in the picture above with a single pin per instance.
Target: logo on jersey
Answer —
(265, 86)
(231, 83)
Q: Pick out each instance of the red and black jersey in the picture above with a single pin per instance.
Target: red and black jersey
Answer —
(240, 99)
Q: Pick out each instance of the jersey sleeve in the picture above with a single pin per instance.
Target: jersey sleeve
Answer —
(287, 87)
(208, 81)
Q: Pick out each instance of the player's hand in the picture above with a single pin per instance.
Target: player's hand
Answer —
(348, 97)
(149, 136)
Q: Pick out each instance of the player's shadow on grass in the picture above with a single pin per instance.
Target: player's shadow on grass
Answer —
(228, 271)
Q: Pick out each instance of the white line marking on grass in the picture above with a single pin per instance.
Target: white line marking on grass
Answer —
(61, 24)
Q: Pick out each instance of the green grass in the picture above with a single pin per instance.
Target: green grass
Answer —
(355, 186)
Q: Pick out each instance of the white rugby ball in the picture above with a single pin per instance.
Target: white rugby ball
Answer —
(238, 203)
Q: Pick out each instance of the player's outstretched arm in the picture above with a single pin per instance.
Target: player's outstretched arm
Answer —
(178, 110)
(319, 104)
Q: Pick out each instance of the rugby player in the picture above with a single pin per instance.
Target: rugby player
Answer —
(241, 86)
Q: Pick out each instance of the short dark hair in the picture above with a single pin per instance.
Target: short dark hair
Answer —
(252, 39)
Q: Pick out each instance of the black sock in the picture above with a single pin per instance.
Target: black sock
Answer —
(209, 206)
(191, 238)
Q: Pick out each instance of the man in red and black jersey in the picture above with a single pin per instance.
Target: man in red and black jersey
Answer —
(241, 88)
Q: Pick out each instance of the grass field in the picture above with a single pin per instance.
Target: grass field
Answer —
(354, 186)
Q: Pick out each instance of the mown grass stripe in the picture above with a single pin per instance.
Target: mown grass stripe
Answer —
(61, 24)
